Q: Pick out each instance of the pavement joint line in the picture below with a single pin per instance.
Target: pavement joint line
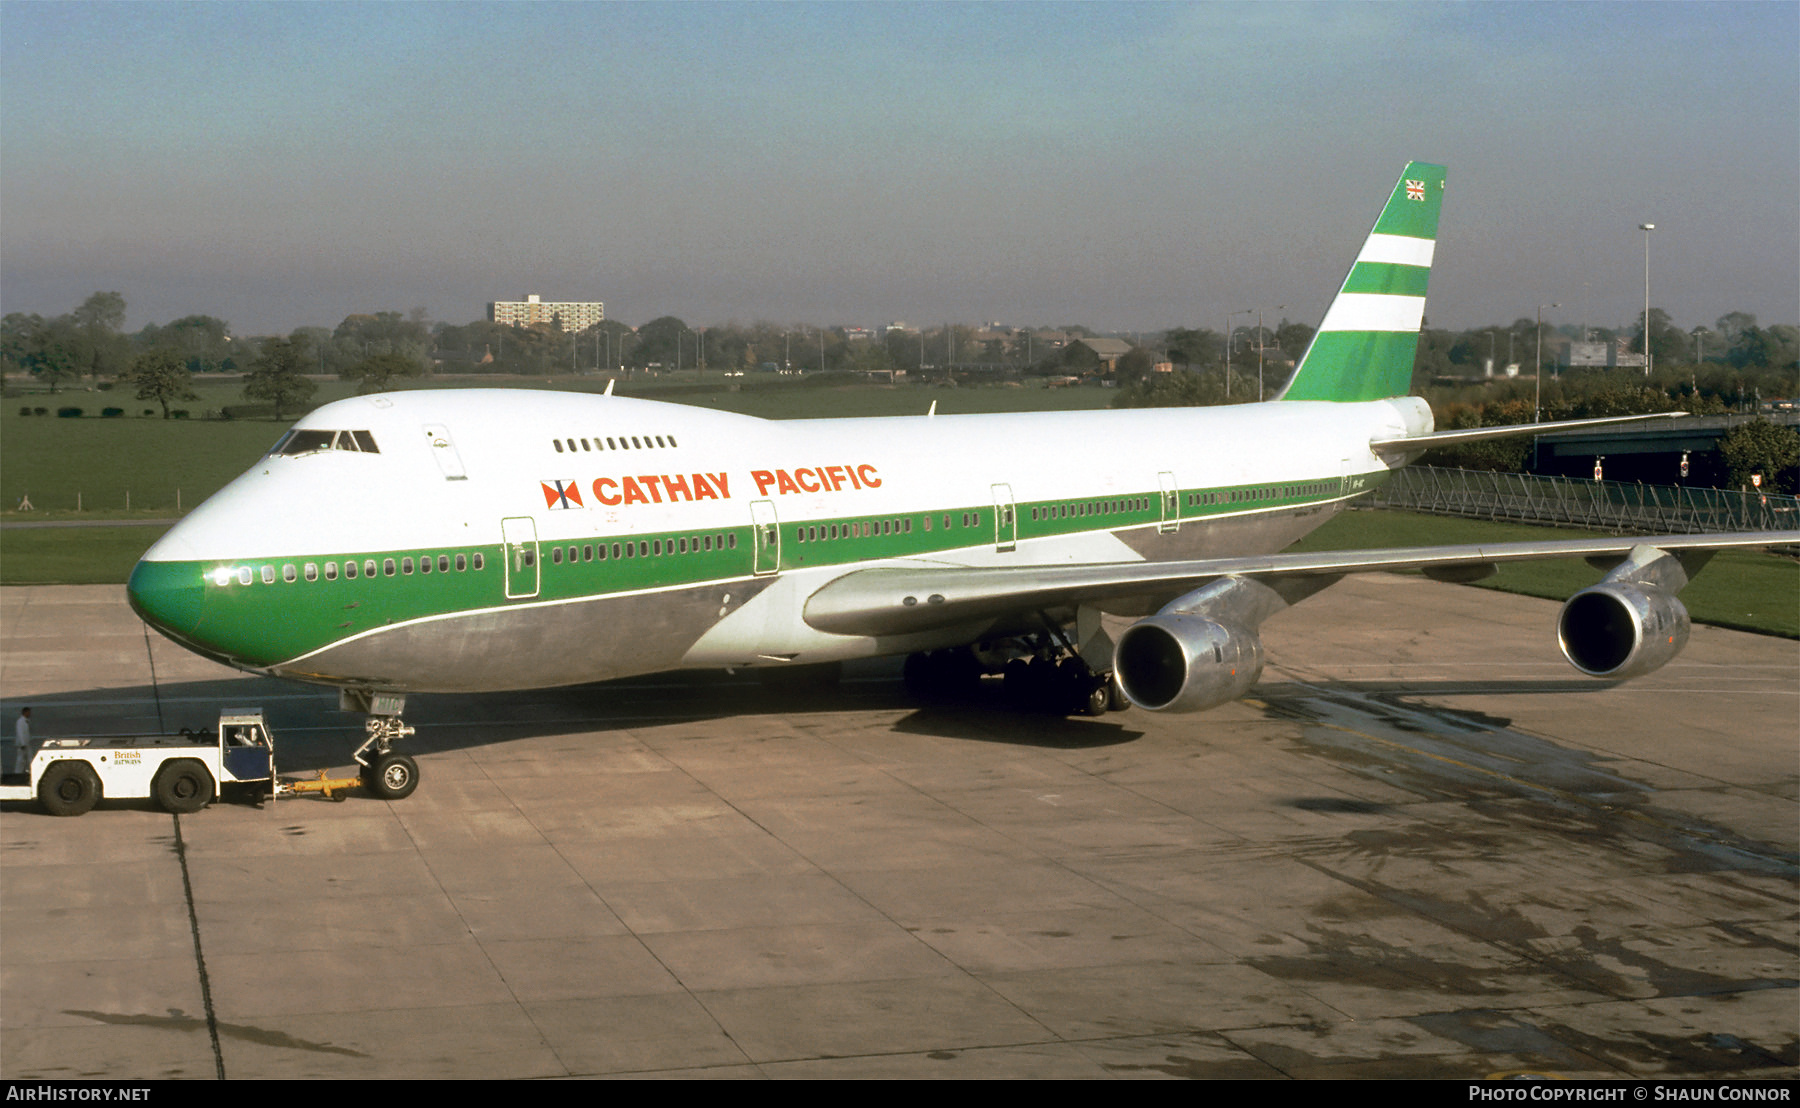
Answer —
(206, 999)
(650, 952)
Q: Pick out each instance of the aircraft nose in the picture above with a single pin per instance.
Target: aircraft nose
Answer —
(169, 593)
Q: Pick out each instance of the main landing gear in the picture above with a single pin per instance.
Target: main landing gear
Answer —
(1039, 674)
(386, 772)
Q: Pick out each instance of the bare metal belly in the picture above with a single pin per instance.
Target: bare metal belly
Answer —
(529, 645)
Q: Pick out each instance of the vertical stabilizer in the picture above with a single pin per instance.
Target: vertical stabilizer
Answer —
(1365, 345)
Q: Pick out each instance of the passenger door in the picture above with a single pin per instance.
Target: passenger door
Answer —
(765, 537)
(521, 571)
(1006, 520)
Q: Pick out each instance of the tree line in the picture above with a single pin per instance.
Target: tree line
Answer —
(1722, 368)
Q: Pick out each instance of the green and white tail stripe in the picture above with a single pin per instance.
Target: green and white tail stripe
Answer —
(1366, 343)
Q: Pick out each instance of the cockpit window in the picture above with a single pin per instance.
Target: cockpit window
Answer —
(306, 441)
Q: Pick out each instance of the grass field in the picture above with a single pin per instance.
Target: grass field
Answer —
(1745, 589)
(73, 555)
(86, 468)
(99, 461)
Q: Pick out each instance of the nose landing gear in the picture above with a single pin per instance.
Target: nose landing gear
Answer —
(385, 772)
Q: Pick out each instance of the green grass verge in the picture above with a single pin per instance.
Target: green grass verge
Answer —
(1744, 589)
(87, 468)
(72, 555)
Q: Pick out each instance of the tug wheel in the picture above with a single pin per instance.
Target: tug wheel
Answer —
(184, 785)
(69, 788)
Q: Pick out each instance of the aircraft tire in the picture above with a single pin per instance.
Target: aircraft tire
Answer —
(391, 777)
(69, 789)
(183, 785)
(1099, 698)
(1115, 696)
(1069, 687)
(942, 675)
(1015, 682)
(962, 672)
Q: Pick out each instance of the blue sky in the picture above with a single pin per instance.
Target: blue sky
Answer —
(1118, 165)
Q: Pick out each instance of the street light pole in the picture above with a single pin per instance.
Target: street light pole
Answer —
(1537, 403)
(1259, 349)
(1228, 315)
(1647, 228)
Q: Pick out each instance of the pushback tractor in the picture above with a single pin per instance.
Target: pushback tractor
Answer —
(184, 772)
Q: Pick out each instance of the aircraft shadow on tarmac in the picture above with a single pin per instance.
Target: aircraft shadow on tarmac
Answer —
(1426, 748)
(312, 734)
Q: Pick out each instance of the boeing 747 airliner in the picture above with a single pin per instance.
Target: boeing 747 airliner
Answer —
(477, 540)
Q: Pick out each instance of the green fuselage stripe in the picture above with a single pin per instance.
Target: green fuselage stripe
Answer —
(249, 625)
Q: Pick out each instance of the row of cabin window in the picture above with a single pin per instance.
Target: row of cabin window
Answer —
(644, 548)
(622, 442)
(1090, 508)
(869, 528)
(388, 568)
(1241, 496)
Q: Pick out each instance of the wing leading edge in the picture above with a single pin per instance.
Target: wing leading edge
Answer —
(907, 599)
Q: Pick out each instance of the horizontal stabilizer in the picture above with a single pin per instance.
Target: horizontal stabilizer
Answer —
(1503, 431)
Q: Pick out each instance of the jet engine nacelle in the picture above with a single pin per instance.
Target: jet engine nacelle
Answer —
(1621, 629)
(1180, 662)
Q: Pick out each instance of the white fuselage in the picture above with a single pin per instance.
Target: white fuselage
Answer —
(534, 483)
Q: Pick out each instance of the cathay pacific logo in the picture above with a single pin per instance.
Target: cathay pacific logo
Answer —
(561, 494)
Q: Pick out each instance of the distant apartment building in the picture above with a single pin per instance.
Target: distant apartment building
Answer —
(573, 315)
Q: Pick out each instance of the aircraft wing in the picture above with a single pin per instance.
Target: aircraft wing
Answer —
(904, 599)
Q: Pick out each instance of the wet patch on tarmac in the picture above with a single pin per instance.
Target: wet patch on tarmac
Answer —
(1443, 754)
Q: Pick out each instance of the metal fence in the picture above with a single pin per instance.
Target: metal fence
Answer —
(1595, 505)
